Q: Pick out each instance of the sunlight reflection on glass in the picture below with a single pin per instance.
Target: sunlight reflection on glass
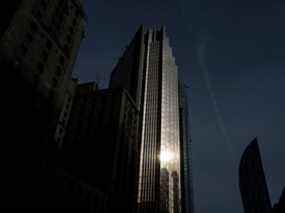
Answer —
(166, 156)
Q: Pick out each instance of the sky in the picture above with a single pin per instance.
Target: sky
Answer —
(231, 54)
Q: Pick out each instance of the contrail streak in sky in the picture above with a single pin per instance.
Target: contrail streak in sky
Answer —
(201, 50)
(203, 39)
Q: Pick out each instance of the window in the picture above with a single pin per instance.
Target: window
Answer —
(68, 38)
(34, 26)
(30, 37)
(61, 60)
(44, 4)
(74, 21)
(83, 34)
(58, 71)
(54, 82)
(57, 140)
(45, 55)
(66, 47)
(71, 29)
(48, 44)
(39, 15)
(40, 67)
(77, 13)
(63, 121)
(36, 77)
(24, 49)
(66, 50)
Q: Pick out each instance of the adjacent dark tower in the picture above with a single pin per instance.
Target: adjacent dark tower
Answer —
(185, 149)
(100, 149)
(148, 71)
(39, 41)
(252, 182)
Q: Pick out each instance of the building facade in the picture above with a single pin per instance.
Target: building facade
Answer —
(185, 149)
(100, 148)
(252, 182)
(39, 41)
(63, 118)
(148, 70)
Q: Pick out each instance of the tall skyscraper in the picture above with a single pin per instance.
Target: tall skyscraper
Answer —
(148, 71)
(185, 149)
(252, 182)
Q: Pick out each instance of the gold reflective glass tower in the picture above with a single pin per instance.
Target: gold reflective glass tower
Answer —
(148, 71)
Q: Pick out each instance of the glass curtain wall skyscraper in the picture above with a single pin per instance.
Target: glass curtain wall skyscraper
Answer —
(187, 198)
(148, 70)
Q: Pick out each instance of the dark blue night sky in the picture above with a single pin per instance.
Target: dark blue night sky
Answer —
(232, 56)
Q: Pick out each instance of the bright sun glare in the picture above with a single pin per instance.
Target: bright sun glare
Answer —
(166, 156)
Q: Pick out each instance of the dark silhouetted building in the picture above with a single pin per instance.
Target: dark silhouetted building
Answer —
(252, 182)
(39, 41)
(185, 145)
(128, 72)
(100, 148)
(148, 71)
(279, 207)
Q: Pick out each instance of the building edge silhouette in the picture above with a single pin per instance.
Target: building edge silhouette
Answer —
(252, 182)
